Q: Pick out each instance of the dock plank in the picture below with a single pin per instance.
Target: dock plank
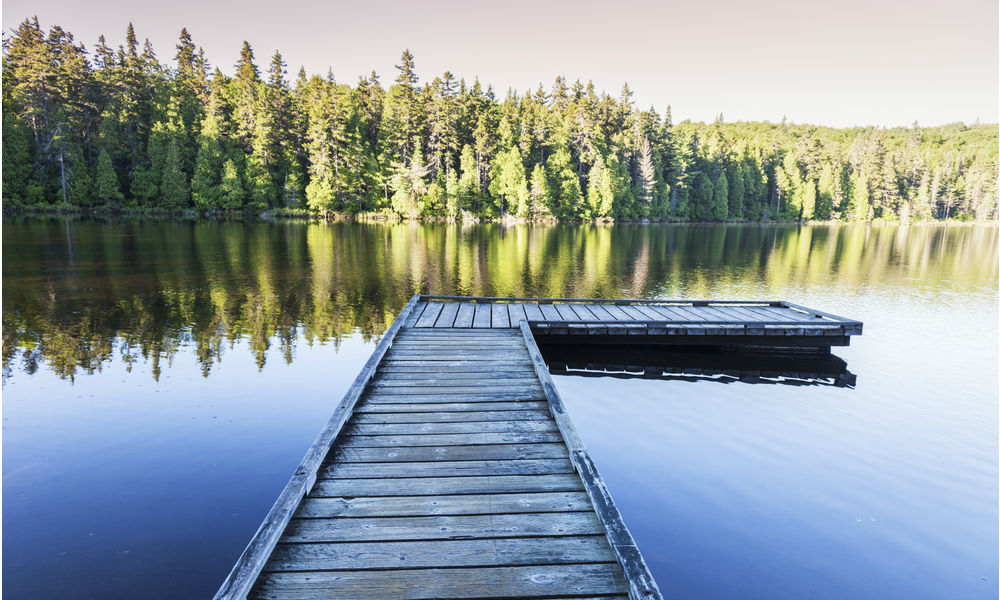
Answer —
(349, 453)
(424, 486)
(441, 584)
(441, 527)
(446, 318)
(430, 314)
(483, 316)
(440, 553)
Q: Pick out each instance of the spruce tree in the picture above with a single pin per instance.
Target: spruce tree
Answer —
(737, 191)
(16, 158)
(720, 199)
(233, 193)
(107, 188)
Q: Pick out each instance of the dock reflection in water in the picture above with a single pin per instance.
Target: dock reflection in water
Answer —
(699, 364)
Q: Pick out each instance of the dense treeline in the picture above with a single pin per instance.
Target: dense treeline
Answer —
(118, 129)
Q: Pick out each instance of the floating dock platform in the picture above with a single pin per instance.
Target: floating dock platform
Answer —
(450, 469)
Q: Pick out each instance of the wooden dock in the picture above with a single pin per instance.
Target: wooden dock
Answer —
(451, 470)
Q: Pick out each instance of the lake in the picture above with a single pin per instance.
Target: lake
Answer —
(162, 379)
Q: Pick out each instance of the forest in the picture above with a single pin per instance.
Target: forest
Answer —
(116, 129)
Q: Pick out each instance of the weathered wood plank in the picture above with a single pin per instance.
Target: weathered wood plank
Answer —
(526, 466)
(479, 375)
(447, 316)
(561, 482)
(450, 416)
(533, 312)
(448, 407)
(465, 314)
(455, 390)
(440, 584)
(437, 396)
(444, 505)
(418, 309)
(349, 453)
(481, 372)
(452, 439)
(566, 312)
(601, 313)
(474, 343)
(483, 316)
(517, 313)
(584, 312)
(430, 314)
(441, 527)
(549, 312)
(616, 312)
(444, 380)
(440, 553)
(460, 427)
(453, 363)
(500, 316)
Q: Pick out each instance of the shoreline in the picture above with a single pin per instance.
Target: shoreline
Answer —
(303, 215)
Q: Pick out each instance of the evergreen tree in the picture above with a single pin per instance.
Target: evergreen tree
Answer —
(232, 191)
(107, 188)
(737, 191)
(17, 159)
(174, 183)
(720, 199)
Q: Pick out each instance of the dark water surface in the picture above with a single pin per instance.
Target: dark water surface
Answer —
(162, 380)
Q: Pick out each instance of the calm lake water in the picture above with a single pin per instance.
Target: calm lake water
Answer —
(163, 379)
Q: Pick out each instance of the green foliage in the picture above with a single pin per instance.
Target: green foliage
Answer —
(107, 189)
(17, 159)
(233, 194)
(177, 136)
(720, 199)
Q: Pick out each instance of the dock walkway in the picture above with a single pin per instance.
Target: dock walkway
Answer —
(451, 470)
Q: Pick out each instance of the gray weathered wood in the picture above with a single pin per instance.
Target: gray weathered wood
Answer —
(444, 505)
(466, 311)
(347, 453)
(474, 427)
(438, 396)
(501, 317)
(561, 482)
(440, 553)
(450, 416)
(454, 439)
(430, 314)
(526, 466)
(483, 316)
(446, 318)
(423, 584)
(441, 528)
(442, 408)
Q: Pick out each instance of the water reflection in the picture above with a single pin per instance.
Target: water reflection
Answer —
(78, 294)
(698, 364)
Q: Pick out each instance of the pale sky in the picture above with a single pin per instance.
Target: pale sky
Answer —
(840, 63)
